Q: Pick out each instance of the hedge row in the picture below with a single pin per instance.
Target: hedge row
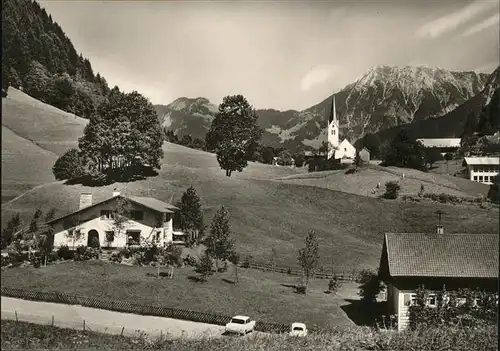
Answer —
(444, 198)
(126, 307)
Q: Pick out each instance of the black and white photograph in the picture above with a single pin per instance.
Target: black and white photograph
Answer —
(225, 175)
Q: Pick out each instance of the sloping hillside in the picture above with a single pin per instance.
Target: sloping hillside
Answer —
(24, 165)
(266, 213)
(46, 126)
(363, 182)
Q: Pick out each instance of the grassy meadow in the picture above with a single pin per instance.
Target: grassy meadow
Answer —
(23, 336)
(362, 182)
(265, 296)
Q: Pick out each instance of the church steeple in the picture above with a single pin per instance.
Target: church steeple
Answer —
(333, 130)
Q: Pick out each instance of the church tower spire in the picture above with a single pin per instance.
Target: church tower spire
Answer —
(333, 130)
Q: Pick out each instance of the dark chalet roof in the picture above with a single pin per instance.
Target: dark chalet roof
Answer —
(441, 255)
(148, 202)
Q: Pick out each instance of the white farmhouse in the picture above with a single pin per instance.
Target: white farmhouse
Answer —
(482, 169)
(443, 145)
(147, 219)
(344, 151)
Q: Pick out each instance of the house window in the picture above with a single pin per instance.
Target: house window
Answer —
(410, 299)
(480, 178)
(106, 214)
(137, 215)
(157, 236)
(133, 237)
(345, 149)
(431, 300)
(475, 178)
(333, 132)
(110, 236)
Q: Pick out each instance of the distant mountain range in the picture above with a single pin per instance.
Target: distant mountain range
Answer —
(484, 105)
(383, 98)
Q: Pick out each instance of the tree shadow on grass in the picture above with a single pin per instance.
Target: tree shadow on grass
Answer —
(162, 275)
(229, 281)
(195, 279)
(131, 174)
(362, 314)
(296, 288)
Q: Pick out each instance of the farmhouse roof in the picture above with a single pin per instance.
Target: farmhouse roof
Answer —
(148, 202)
(440, 142)
(441, 255)
(482, 160)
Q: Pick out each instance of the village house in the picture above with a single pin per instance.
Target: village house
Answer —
(146, 218)
(410, 260)
(364, 155)
(443, 145)
(482, 169)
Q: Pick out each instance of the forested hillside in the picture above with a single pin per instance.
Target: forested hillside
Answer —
(38, 58)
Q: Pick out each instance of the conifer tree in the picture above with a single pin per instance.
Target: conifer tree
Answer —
(190, 215)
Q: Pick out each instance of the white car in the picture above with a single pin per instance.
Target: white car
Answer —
(240, 325)
(298, 329)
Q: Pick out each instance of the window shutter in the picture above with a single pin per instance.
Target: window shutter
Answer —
(406, 299)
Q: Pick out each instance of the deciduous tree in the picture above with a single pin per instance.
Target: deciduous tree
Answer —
(219, 243)
(405, 152)
(234, 134)
(69, 166)
(309, 256)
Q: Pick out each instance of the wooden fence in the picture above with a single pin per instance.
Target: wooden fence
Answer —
(126, 307)
(298, 272)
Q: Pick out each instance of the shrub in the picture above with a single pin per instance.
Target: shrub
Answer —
(116, 257)
(334, 284)
(36, 260)
(247, 261)
(392, 189)
(450, 312)
(5, 261)
(65, 253)
(84, 253)
(300, 288)
(190, 261)
(370, 286)
(52, 256)
(125, 252)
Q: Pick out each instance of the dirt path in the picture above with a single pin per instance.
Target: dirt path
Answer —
(73, 316)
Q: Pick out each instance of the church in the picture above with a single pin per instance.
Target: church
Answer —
(345, 152)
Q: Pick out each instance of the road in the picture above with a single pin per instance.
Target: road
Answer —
(103, 321)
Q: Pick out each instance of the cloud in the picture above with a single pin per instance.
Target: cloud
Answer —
(451, 21)
(317, 75)
(487, 23)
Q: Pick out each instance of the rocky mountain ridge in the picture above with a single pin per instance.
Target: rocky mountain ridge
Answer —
(382, 98)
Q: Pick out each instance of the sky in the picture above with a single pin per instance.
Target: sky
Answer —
(278, 54)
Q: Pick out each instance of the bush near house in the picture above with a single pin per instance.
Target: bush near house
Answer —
(477, 309)
(392, 189)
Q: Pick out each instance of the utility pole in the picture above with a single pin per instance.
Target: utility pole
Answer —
(439, 213)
